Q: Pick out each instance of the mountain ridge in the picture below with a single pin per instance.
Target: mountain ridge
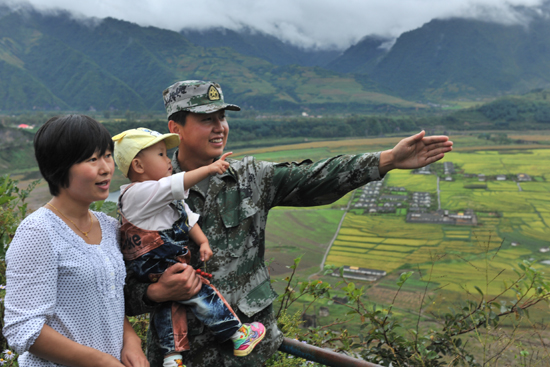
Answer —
(54, 62)
(114, 64)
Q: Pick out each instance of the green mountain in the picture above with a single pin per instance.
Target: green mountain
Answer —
(255, 43)
(362, 57)
(53, 62)
(458, 58)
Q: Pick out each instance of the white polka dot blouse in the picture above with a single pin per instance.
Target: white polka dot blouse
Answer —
(55, 278)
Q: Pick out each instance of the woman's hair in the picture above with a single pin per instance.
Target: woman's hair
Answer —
(66, 140)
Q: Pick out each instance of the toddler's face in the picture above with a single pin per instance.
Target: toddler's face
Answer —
(156, 162)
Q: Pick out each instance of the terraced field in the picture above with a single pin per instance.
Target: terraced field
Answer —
(506, 215)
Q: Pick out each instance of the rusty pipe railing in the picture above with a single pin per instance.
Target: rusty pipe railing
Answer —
(320, 355)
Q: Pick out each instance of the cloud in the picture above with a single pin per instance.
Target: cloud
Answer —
(306, 23)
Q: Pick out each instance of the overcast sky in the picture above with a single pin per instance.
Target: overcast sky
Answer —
(307, 23)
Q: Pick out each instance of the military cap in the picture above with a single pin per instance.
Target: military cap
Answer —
(195, 96)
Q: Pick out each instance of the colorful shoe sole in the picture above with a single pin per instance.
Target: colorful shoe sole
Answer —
(248, 347)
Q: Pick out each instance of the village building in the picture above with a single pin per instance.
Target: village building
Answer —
(467, 217)
(449, 168)
(426, 170)
(501, 177)
(353, 272)
(393, 197)
(421, 199)
(397, 189)
(523, 177)
(324, 312)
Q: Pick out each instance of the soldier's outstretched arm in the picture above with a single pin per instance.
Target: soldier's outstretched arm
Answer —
(414, 152)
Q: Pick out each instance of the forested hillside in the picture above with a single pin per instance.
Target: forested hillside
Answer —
(443, 59)
(50, 62)
(254, 43)
(459, 58)
(54, 62)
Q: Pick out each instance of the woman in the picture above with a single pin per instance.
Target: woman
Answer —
(65, 274)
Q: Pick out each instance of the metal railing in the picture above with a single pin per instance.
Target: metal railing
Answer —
(320, 355)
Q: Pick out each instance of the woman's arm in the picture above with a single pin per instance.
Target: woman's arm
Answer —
(132, 354)
(59, 349)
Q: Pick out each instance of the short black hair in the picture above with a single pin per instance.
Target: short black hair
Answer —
(179, 117)
(66, 140)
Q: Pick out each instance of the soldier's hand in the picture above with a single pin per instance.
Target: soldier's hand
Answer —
(178, 283)
(414, 152)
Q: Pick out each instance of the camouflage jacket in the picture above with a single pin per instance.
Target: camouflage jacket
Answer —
(233, 214)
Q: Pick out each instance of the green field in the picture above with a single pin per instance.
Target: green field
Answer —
(457, 254)
(454, 259)
(506, 215)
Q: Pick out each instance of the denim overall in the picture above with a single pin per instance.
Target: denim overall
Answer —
(148, 254)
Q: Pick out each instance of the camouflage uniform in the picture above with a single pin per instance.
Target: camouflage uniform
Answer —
(233, 213)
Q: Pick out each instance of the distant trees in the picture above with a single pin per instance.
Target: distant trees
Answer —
(516, 109)
(353, 126)
(507, 109)
(543, 113)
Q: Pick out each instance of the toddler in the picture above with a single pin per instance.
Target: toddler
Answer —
(156, 226)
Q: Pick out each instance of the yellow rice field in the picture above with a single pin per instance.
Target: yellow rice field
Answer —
(460, 253)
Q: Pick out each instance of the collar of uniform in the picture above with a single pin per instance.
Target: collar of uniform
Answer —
(175, 164)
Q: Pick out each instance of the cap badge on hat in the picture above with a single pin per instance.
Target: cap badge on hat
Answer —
(213, 94)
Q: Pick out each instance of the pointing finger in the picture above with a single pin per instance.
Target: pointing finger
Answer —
(225, 155)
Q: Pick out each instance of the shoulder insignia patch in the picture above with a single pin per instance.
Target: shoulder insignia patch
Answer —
(213, 93)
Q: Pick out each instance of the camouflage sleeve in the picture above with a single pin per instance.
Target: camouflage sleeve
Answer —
(309, 184)
(134, 292)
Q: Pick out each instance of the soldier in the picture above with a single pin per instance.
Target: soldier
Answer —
(233, 208)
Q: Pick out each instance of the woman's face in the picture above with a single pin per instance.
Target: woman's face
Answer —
(89, 180)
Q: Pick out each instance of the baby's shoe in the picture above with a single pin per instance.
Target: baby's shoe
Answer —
(251, 334)
(173, 361)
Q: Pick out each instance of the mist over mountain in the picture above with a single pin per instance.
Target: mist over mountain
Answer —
(458, 58)
(363, 56)
(52, 61)
(255, 43)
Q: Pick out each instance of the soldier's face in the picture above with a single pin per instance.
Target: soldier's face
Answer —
(204, 136)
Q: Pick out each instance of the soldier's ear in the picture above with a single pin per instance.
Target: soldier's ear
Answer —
(174, 127)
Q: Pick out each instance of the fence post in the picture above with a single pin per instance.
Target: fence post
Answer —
(321, 355)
